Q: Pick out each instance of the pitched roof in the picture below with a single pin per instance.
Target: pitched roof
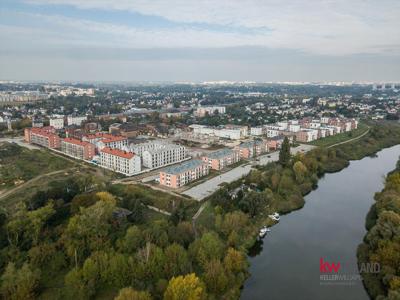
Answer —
(183, 167)
(118, 152)
(219, 154)
(75, 142)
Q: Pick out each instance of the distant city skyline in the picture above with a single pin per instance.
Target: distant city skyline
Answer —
(254, 40)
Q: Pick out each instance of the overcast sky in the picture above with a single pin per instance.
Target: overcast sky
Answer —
(188, 40)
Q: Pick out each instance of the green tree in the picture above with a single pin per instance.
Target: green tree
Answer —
(300, 171)
(89, 230)
(284, 153)
(17, 284)
(176, 261)
(188, 287)
(215, 277)
(208, 247)
(131, 294)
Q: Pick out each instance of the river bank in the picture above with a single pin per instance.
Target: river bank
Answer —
(273, 188)
(381, 244)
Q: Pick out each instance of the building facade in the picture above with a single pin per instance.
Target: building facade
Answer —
(57, 123)
(120, 161)
(76, 120)
(218, 160)
(77, 148)
(179, 175)
(44, 136)
(163, 154)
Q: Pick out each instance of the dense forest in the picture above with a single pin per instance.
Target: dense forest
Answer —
(73, 242)
(382, 242)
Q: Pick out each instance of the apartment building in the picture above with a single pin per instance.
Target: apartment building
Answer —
(218, 160)
(44, 136)
(77, 148)
(251, 149)
(233, 132)
(307, 135)
(179, 175)
(57, 123)
(76, 120)
(210, 110)
(102, 140)
(114, 142)
(256, 131)
(163, 154)
(120, 161)
(275, 142)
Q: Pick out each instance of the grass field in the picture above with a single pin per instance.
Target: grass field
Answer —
(342, 137)
(18, 164)
(155, 198)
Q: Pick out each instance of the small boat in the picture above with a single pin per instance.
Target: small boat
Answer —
(263, 231)
(275, 216)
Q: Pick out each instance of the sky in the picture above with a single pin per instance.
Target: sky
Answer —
(203, 40)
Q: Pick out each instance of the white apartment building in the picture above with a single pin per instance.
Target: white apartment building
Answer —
(294, 127)
(76, 120)
(202, 111)
(163, 154)
(256, 131)
(57, 122)
(120, 161)
(232, 132)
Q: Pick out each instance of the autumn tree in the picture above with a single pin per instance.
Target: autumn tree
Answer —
(300, 171)
(188, 287)
(131, 294)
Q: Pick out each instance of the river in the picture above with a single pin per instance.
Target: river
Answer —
(286, 264)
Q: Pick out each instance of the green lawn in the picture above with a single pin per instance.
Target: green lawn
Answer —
(342, 137)
(19, 164)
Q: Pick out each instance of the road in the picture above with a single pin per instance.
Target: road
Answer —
(37, 178)
(348, 141)
(205, 189)
(20, 142)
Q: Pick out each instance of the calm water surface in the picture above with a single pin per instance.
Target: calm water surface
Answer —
(329, 226)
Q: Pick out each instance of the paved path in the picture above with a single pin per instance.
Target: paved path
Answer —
(205, 189)
(348, 141)
(9, 192)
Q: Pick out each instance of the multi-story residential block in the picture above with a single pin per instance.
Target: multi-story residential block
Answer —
(252, 148)
(114, 142)
(76, 120)
(210, 110)
(179, 175)
(77, 148)
(163, 154)
(218, 160)
(275, 142)
(256, 131)
(44, 136)
(102, 140)
(307, 135)
(57, 123)
(120, 161)
(233, 132)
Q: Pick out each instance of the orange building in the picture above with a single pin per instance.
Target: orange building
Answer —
(43, 136)
(218, 160)
(181, 174)
(77, 148)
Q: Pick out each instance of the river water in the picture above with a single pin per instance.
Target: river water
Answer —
(286, 265)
